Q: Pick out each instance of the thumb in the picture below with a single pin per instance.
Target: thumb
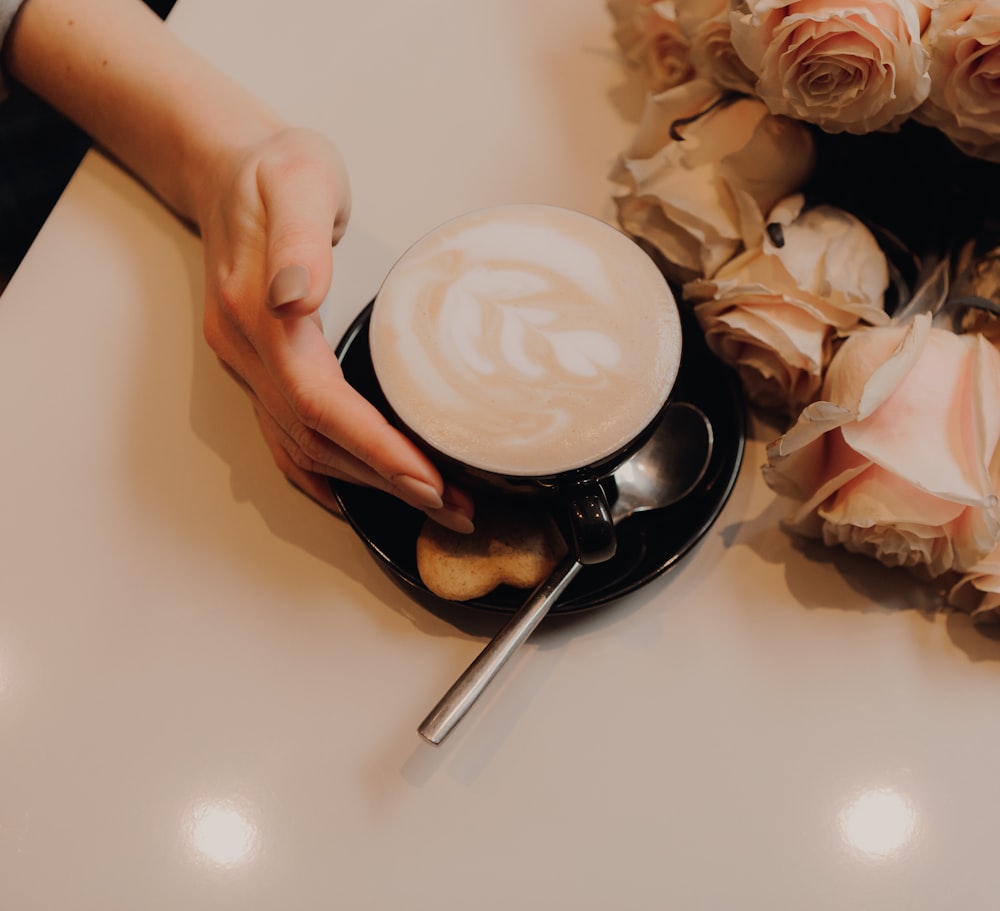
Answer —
(291, 291)
(305, 205)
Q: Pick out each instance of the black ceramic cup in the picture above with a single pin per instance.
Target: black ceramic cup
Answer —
(528, 350)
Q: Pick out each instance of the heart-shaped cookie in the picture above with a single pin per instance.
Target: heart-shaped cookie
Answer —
(519, 548)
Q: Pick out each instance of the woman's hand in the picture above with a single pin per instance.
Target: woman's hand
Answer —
(269, 201)
(268, 221)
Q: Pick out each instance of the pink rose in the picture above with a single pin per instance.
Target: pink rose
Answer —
(848, 67)
(964, 102)
(774, 312)
(705, 25)
(651, 39)
(701, 171)
(978, 591)
(900, 459)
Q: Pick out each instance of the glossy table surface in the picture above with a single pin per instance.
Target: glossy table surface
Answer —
(209, 692)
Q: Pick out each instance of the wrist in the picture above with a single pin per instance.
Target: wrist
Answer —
(217, 159)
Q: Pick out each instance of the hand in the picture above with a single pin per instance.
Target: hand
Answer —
(269, 201)
(267, 224)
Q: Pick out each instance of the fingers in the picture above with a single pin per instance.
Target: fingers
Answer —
(272, 231)
(384, 459)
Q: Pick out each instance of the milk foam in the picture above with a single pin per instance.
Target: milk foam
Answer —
(527, 340)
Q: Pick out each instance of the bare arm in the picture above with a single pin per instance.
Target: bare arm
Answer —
(160, 108)
(268, 199)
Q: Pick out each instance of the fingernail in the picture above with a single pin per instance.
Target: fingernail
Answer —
(453, 519)
(289, 285)
(417, 493)
(456, 513)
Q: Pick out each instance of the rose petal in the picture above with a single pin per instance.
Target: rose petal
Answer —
(880, 497)
(829, 251)
(930, 428)
(790, 332)
(870, 365)
(811, 462)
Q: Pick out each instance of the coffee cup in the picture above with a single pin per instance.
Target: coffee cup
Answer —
(529, 350)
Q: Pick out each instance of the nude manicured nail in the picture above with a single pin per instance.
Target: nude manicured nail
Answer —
(454, 520)
(289, 285)
(417, 493)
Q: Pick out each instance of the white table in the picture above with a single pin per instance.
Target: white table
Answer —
(208, 690)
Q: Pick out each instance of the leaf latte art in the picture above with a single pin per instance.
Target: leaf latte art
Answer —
(525, 340)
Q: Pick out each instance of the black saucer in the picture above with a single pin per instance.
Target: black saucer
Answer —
(649, 543)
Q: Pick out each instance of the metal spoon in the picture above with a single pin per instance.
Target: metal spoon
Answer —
(667, 468)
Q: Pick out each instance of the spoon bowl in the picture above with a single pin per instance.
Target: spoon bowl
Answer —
(668, 467)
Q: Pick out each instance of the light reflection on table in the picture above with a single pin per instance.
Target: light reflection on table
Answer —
(222, 832)
(879, 823)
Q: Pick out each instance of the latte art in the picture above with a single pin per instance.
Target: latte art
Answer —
(525, 340)
(492, 335)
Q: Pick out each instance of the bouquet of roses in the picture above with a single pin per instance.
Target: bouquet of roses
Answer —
(820, 179)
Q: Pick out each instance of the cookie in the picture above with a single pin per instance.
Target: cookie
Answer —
(518, 548)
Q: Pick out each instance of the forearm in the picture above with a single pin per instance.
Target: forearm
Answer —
(161, 109)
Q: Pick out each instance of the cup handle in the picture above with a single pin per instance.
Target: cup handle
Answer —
(591, 528)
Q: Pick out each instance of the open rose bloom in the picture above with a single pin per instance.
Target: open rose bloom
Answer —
(978, 591)
(669, 42)
(650, 37)
(854, 67)
(703, 171)
(774, 312)
(706, 27)
(964, 102)
(899, 460)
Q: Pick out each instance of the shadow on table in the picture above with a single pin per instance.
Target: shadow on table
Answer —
(980, 641)
(221, 417)
(830, 578)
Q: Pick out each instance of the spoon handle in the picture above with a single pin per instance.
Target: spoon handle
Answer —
(467, 689)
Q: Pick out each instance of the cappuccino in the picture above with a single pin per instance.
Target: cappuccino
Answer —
(526, 340)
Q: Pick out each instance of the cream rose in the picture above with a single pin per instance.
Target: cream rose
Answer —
(701, 171)
(964, 102)
(705, 26)
(900, 459)
(651, 39)
(854, 67)
(978, 591)
(774, 312)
